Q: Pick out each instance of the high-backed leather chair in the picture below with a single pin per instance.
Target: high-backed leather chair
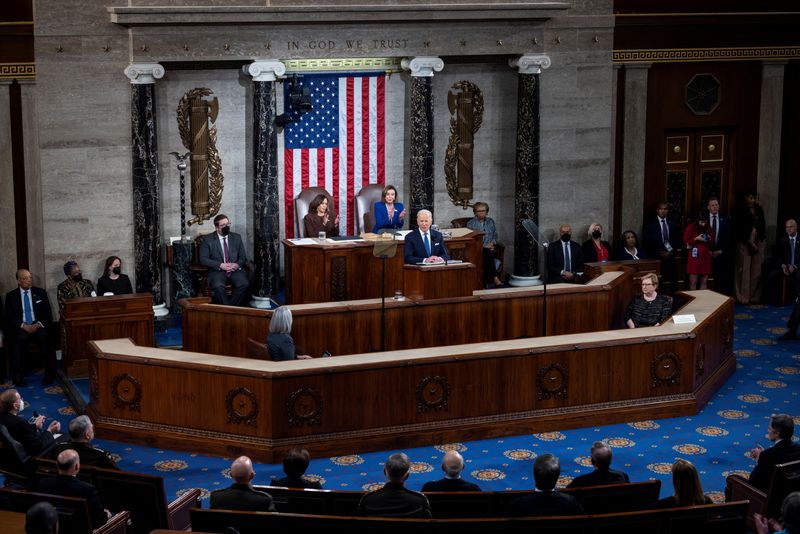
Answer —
(365, 206)
(302, 203)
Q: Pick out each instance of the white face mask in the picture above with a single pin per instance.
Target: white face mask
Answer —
(21, 405)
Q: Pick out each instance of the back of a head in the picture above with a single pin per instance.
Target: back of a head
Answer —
(281, 322)
(7, 400)
(397, 467)
(296, 462)
(66, 460)
(41, 518)
(790, 513)
(686, 483)
(242, 470)
(452, 464)
(546, 470)
(783, 425)
(601, 455)
(78, 427)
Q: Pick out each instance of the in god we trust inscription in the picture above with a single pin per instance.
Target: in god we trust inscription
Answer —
(348, 44)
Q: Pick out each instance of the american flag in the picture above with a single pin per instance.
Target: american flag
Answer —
(339, 145)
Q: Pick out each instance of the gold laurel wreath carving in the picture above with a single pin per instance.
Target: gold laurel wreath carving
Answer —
(451, 155)
(215, 177)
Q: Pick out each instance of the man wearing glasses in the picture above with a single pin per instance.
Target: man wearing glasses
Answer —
(224, 254)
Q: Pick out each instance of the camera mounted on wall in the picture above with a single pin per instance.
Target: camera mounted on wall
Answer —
(299, 101)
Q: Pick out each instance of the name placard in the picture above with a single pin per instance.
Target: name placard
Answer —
(684, 319)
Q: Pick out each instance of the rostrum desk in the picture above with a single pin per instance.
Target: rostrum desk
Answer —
(347, 270)
(231, 405)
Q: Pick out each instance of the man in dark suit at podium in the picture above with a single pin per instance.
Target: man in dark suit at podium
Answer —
(424, 245)
(564, 258)
(224, 254)
(29, 318)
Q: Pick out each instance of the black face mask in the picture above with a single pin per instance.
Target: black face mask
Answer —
(566, 237)
(116, 270)
(596, 234)
(226, 230)
(77, 277)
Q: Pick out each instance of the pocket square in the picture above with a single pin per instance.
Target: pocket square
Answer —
(37, 301)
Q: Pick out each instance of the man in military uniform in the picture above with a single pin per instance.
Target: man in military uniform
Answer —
(394, 499)
(81, 434)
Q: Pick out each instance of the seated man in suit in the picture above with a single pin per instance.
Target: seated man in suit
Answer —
(546, 501)
(67, 484)
(452, 465)
(394, 499)
(31, 436)
(295, 464)
(29, 317)
(602, 474)
(424, 245)
(41, 518)
(780, 431)
(224, 254)
(81, 434)
(241, 495)
(564, 258)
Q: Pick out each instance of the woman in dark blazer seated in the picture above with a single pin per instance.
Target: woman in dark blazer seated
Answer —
(650, 308)
(113, 281)
(318, 219)
(630, 247)
(389, 214)
(688, 490)
(595, 249)
(279, 340)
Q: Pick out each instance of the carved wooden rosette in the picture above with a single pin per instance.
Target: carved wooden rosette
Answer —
(433, 394)
(339, 278)
(552, 381)
(126, 392)
(665, 370)
(241, 405)
(700, 360)
(304, 407)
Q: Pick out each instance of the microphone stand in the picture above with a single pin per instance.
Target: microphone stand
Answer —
(384, 251)
(544, 291)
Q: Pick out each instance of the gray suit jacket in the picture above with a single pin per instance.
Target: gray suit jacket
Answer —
(211, 254)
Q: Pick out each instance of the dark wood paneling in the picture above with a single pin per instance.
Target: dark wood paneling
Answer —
(354, 327)
(407, 398)
(738, 112)
(348, 270)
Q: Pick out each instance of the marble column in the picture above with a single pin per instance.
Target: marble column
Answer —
(421, 133)
(526, 193)
(266, 204)
(144, 163)
(634, 132)
(769, 142)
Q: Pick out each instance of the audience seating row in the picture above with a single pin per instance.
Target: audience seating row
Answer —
(595, 500)
(785, 480)
(142, 495)
(73, 514)
(727, 518)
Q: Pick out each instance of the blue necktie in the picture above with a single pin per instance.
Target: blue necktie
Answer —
(26, 307)
(567, 259)
(791, 261)
(427, 244)
(664, 231)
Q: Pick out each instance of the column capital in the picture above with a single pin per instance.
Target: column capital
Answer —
(264, 70)
(144, 73)
(422, 65)
(530, 63)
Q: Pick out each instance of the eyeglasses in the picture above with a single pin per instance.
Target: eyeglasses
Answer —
(480, 211)
(647, 283)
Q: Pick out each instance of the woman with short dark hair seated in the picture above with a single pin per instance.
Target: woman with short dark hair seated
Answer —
(649, 308)
(279, 340)
(630, 247)
(686, 483)
(295, 464)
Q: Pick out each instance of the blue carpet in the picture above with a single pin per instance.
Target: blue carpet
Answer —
(717, 440)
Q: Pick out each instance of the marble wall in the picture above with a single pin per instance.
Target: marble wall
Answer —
(8, 238)
(83, 102)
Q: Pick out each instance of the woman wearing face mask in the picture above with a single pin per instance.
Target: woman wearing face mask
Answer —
(113, 281)
(595, 249)
(75, 286)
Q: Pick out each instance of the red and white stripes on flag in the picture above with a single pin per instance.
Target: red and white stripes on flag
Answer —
(339, 145)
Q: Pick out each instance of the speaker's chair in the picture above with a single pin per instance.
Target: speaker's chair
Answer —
(302, 203)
